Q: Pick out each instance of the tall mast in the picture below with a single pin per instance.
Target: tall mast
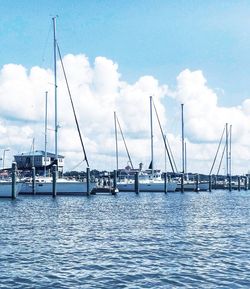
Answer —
(152, 143)
(185, 153)
(230, 150)
(33, 152)
(116, 142)
(182, 138)
(227, 149)
(45, 132)
(55, 81)
(165, 154)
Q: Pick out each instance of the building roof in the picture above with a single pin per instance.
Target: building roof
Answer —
(38, 153)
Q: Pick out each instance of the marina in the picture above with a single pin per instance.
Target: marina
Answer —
(125, 144)
(135, 182)
(45, 169)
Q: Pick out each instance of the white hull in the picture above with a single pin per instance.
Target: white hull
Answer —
(150, 186)
(192, 186)
(63, 187)
(6, 189)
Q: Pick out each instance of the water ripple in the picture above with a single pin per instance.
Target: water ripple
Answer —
(147, 241)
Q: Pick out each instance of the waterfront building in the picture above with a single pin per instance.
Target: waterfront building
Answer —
(25, 161)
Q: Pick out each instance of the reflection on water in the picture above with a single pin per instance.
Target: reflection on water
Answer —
(126, 241)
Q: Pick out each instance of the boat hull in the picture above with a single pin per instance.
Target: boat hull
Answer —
(146, 186)
(192, 186)
(6, 189)
(62, 188)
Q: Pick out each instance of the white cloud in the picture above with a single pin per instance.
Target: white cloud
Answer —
(98, 90)
(204, 119)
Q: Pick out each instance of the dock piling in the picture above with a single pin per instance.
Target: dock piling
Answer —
(210, 183)
(182, 183)
(229, 183)
(115, 180)
(54, 177)
(33, 180)
(165, 182)
(137, 183)
(14, 169)
(197, 183)
(88, 180)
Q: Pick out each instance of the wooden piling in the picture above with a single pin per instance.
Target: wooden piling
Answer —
(13, 187)
(210, 183)
(33, 180)
(137, 183)
(88, 180)
(54, 178)
(229, 183)
(197, 183)
(182, 183)
(165, 182)
(115, 180)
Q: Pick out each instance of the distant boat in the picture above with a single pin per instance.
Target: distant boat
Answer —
(191, 186)
(147, 183)
(6, 188)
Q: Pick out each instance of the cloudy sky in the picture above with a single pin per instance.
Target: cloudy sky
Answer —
(117, 54)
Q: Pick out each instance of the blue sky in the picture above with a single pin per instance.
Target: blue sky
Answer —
(159, 38)
(182, 44)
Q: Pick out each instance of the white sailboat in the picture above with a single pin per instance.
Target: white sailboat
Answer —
(148, 181)
(44, 185)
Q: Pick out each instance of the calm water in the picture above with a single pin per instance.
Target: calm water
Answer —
(199, 240)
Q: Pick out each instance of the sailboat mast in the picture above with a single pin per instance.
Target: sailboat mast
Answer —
(230, 150)
(182, 138)
(45, 132)
(116, 142)
(55, 81)
(152, 143)
(165, 154)
(227, 149)
(185, 153)
(33, 152)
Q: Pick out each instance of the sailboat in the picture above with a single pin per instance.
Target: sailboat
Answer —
(149, 180)
(44, 184)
